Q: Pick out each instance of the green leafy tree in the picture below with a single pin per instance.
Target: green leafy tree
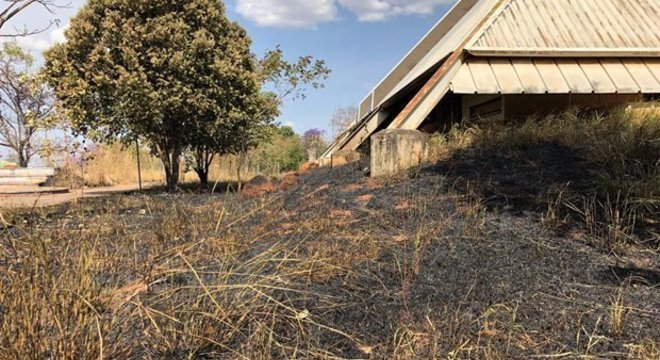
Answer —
(165, 71)
(251, 122)
(245, 127)
(282, 80)
(282, 152)
(26, 104)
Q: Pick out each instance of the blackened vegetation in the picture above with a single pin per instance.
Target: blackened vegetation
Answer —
(477, 257)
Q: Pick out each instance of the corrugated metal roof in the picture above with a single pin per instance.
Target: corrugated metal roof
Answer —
(557, 76)
(528, 46)
(554, 25)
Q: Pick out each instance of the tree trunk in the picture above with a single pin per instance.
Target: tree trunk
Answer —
(203, 175)
(22, 154)
(171, 162)
(239, 165)
(23, 161)
(203, 160)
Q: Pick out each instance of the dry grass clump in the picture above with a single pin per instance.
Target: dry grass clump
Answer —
(602, 170)
(91, 287)
(109, 165)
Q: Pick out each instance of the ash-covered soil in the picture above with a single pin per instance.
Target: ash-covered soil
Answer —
(423, 269)
(458, 269)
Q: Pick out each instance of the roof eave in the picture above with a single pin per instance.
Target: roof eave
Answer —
(566, 52)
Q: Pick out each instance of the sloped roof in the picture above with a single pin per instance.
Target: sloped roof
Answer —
(556, 28)
(556, 25)
(557, 76)
(440, 41)
(443, 48)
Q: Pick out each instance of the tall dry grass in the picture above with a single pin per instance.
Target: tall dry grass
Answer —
(109, 165)
(184, 287)
(621, 199)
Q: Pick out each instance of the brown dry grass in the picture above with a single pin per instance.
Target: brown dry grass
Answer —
(110, 165)
(601, 170)
(320, 272)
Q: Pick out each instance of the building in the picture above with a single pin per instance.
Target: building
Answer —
(513, 58)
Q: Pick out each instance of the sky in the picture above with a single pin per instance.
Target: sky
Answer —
(360, 40)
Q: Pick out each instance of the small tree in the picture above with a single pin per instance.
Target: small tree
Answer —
(314, 143)
(342, 119)
(26, 104)
(165, 71)
(247, 124)
(283, 151)
(281, 80)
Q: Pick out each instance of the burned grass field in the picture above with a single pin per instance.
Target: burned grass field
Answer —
(476, 257)
(339, 267)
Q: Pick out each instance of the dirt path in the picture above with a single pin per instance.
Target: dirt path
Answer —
(46, 199)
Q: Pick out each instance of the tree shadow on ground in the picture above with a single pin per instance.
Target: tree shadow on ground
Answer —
(521, 180)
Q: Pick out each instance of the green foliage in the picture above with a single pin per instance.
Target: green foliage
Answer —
(285, 80)
(284, 152)
(170, 72)
(292, 79)
(286, 132)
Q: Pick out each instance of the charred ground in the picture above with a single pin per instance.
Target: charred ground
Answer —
(340, 265)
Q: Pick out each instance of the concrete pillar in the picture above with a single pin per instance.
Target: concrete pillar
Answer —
(344, 157)
(325, 162)
(396, 150)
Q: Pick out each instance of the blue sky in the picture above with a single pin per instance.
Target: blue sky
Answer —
(361, 40)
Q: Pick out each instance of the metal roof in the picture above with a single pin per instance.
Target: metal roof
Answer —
(557, 76)
(530, 28)
(555, 25)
